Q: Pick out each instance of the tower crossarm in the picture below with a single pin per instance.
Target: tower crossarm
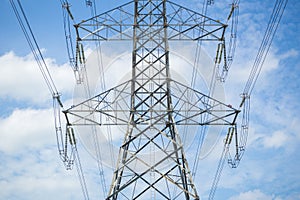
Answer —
(182, 24)
(107, 108)
(189, 107)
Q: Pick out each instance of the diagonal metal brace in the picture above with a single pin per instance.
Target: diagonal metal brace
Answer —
(118, 24)
(190, 107)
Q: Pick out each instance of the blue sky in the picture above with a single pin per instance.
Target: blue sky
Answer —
(30, 166)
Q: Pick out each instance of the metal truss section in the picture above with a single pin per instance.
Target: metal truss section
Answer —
(152, 165)
(151, 161)
(108, 108)
(182, 24)
(189, 107)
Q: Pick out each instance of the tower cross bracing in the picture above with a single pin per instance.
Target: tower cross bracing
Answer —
(151, 162)
(136, 175)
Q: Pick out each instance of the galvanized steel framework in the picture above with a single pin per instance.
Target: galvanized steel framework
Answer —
(152, 163)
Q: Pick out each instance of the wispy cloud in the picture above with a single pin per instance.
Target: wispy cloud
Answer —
(254, 195)
(36, 174)
(21, 79)
(26, 129)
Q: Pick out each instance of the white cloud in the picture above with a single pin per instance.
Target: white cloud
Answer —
(31, 166)
(36, 175)
(254, 195)
(21, 79)
(276, 139)
(289, 54)
(26, 129)
(293, 196)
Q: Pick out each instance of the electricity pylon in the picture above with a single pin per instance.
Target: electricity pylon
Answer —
(152, 162)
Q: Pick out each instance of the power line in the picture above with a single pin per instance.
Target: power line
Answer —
(273, 23)
(31, 40)
(265, 45)
(57, 104)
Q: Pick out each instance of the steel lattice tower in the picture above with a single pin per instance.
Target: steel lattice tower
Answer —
(152, 163)
(151, 102)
